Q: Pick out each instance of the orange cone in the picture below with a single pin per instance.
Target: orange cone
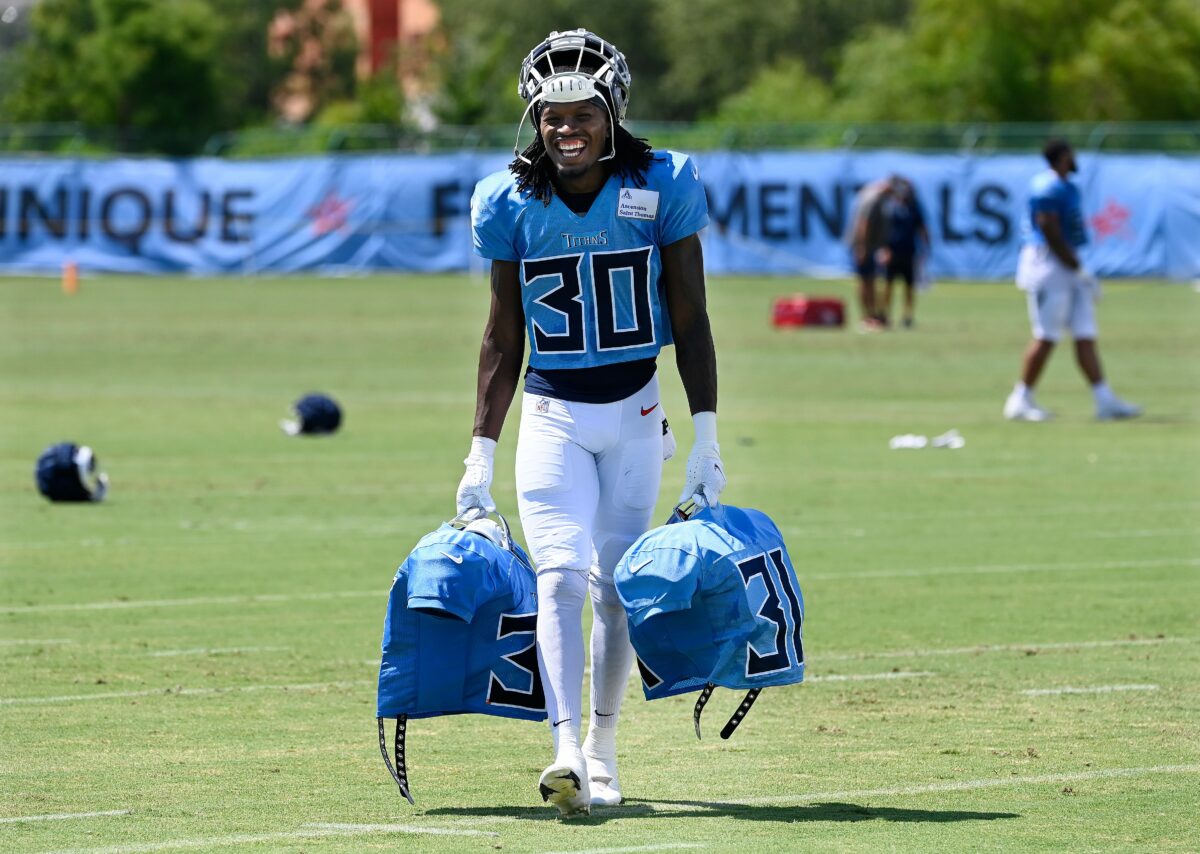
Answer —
(70, 278)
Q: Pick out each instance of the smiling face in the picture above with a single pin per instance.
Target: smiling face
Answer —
(576, 137)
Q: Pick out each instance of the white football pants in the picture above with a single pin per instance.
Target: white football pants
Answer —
(588, 477)
(587, 482)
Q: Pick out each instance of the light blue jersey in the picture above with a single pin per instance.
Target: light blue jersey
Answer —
(713, 599)
(460, 629)
(591, 284)
(1049, 193)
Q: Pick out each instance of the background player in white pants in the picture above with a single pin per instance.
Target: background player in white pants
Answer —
(1060, 292)
(596, 259)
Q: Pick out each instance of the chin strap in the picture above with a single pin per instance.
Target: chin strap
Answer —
(400, 771)
(738, 714)
(547, 92)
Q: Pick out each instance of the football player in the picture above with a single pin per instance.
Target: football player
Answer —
(595, 258)
(1061, 293)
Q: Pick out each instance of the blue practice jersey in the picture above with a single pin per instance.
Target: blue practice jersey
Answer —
(1049, 193)
(591, 283)
(460, 632)
(713, 599)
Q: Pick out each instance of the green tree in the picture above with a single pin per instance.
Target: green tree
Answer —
(144, 69)
(246, 74)
(378, 100)
(784, 92)
(715, 49)
(686, 55)
(14, 29)
(1140, 62)
(1027, 60)
(44, 68)
(484, 41)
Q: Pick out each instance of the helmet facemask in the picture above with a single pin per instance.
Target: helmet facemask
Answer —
(571, 67)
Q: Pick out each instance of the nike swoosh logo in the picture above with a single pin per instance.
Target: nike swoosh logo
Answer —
(453, 558)
(603, 715)
(641, 565)
(646, 412)
(563, 721)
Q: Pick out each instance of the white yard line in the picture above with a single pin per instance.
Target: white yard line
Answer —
(663, 846)
(312, 831)
(33, 641)
(1095, 689)
(864, 677)
(216, 650)
(1004, 569)
(395, 828)
(178, 692)
(62, 816)
(1032, 646)
(1139, 533)
(961, 786)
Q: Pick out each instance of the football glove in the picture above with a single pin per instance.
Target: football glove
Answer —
(1089, 280)
(705, 473)
(474, 490)
(668, 441)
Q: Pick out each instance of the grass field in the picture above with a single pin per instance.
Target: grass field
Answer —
(1003, 640)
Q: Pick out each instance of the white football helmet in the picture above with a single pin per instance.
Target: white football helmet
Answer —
(574, 66)
(487, 528)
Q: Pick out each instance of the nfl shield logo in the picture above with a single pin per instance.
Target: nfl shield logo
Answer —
(543, 406)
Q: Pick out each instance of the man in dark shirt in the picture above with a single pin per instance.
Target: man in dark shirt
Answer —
(908, 247)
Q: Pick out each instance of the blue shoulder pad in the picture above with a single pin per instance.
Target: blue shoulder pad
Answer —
(713, 599)
(460, 631)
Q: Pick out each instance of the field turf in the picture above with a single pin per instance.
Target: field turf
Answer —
(1003, 640)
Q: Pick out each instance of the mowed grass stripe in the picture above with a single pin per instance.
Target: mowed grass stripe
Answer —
(324, 686)
(316, 831)
(630, 849)
(1028, 647)
(276, 598)
(971, 785)
(180, 692)
(63, 816)
(1094, 689)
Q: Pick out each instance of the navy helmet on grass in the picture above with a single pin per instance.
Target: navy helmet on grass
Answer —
(70, 472)
(315, 415)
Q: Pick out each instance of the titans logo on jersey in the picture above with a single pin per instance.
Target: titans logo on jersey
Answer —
(591, 283)
(713, 600)
(460, 632)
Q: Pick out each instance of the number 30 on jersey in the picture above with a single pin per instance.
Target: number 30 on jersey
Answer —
(622, 302)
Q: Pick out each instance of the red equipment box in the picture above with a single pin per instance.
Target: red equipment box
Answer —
(801, 310)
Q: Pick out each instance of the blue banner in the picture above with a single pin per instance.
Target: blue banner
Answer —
(772, 212)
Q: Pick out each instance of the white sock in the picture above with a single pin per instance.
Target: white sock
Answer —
(1102, 392)
(1023, 391)
(612, 659)
(561, 594)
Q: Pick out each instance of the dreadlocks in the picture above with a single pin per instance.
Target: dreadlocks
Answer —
(632, 159)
